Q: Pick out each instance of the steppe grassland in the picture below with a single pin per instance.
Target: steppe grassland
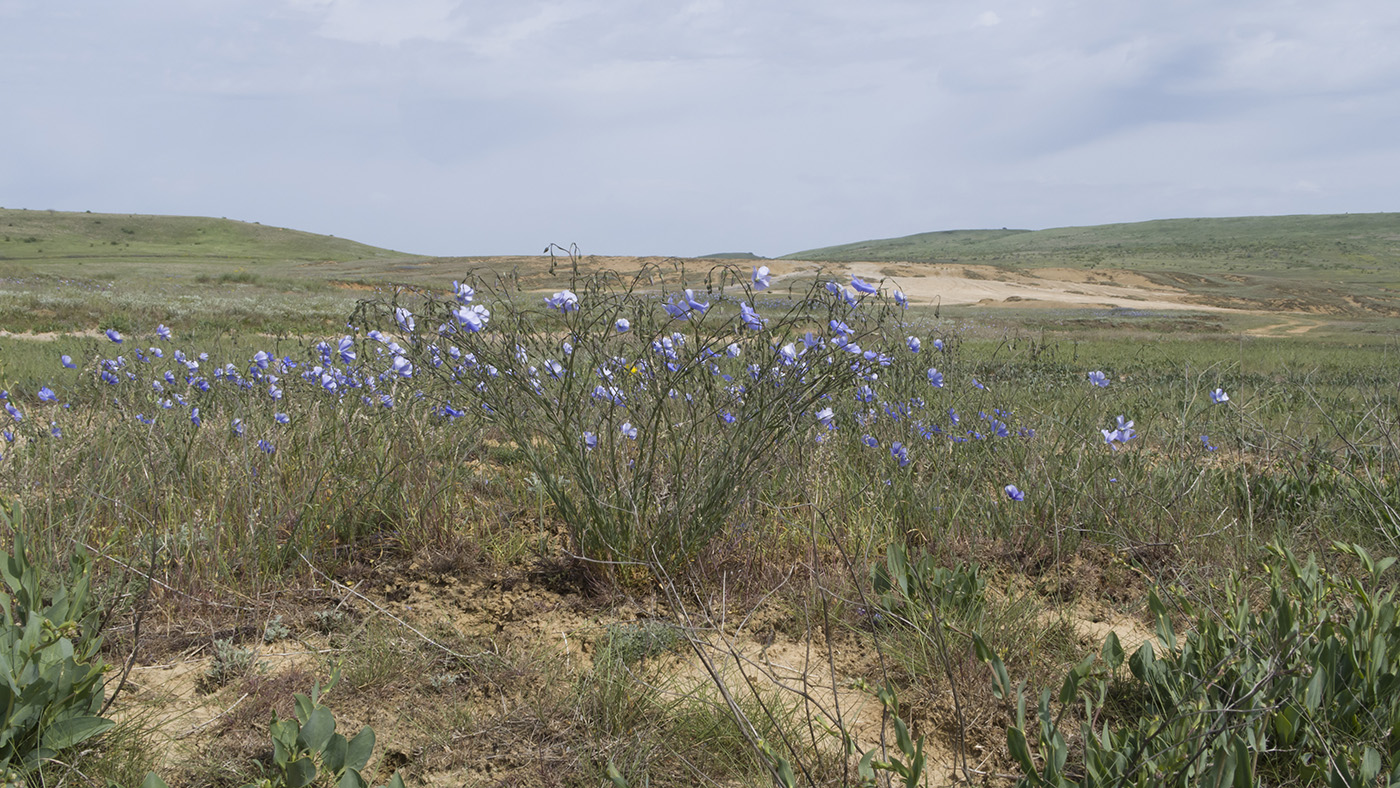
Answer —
(424, 512)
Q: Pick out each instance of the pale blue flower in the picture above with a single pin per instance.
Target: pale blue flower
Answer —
(590, 441)
(463, 291)
(13, 411)
(162, 331)
(899, 453)
(404, 319)
(1013, 493)
(281, 418)
(47, 394)
(1218, 396)
(750, 318)
(261, 359)
(113, 335)
(628, 431)
(938, 344)
(862, 286)
(67, 362)
(869, 440)
(403, 366)
(194, 417)
(935, 378)
(1098, 379)
(54, 430)
(787, 354)
(472, 317)
(1205, 441)
(698, 306)
(622, 325)
(899, 298)
(266, 447)
(563, 301)
(827, 418)
(238, 427)
(914, 344)
(762, 279)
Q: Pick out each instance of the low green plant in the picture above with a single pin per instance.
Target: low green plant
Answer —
(230, 661)
(51, 688)
(306, 748)
(1307, 688)
(635, 641)
(275, 630)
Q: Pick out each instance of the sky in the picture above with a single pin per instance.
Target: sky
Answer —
(482, 127)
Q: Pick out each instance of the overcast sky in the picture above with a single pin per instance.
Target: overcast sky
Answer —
(465, 127)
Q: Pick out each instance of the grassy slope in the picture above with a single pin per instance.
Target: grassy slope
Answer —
(1336, 264)
(1264, 243)
(56, 242)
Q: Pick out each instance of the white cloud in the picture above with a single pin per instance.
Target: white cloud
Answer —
(630, 125)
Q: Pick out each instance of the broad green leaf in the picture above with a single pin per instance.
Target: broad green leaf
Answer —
(360, 748)
(1113, 651)
(901, 736)
(65, 733)
(333, 756)
(300, 773)
(1016, 745)
(1370, 766)
(317, 730)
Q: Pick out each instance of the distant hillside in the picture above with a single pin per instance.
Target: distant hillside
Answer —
(29, 237)
(731, 256)
(1271, 243)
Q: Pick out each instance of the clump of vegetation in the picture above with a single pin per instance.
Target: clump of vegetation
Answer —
(51, 687)
(230, 661)
(1300, 689)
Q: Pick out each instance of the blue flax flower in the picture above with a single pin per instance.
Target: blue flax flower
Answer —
(900, 454)
(750, 318)
(46, 394)
(563, 301)
(1218, 396)
(68, 362)
(628, 431)
(914, 344)
(761, 278)
(862, 286)
(935, 378)
(1098, 379)
(113, 335)
(1013, 493)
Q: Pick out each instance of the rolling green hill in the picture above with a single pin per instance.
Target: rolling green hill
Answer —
(40, 240)
(1261, 243)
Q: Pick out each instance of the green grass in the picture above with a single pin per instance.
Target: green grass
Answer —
(1335, 265)
(1360, 242)
(1306, 454)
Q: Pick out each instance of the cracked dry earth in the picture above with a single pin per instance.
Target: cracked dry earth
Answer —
(472, 678)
